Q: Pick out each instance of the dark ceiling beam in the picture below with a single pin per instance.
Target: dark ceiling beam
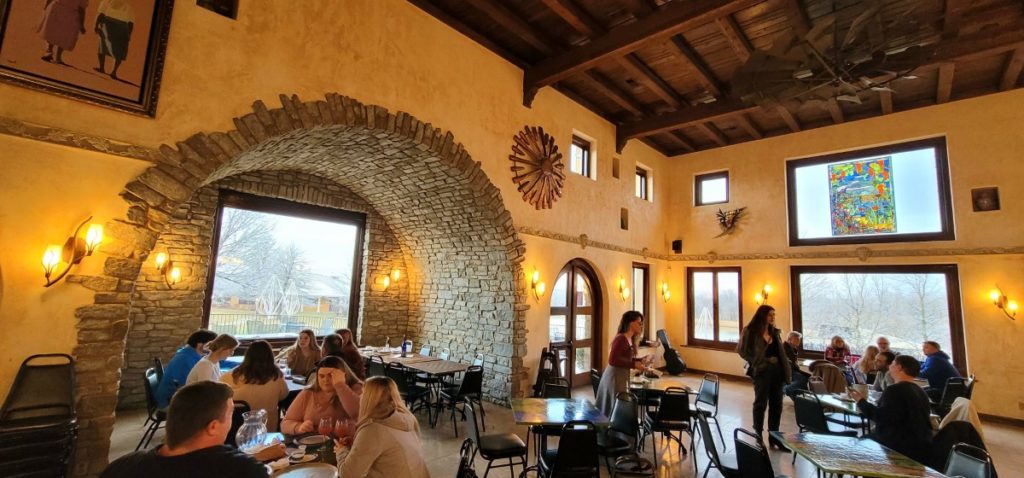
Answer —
(836, 111)
(512, 21)
(679, 119)
(944, 89)
(671, 19)
(576, 17)
(1012, 71)
(607, 87)
(694, 62)
(797, 17)
(788, 118)
(748, 125)
(735, 36)
(683, 140)
(713, 133)
(645, 75)
(953, 16)
(639, 8)
(886, 99)
(448, 19)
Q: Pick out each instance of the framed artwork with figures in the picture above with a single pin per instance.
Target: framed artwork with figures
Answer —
(105, 52)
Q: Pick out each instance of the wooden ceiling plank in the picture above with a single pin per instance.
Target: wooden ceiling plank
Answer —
(621, 98)
(836, 111)
(679, 119)
(576, 17)
(644, 74)
(448, 19)
(886, 99)
(683, 140)
(1011, 74)
(509, 19)
(797, 17)
(748, 125)
(639, 8)
(788, 118)
(713, 133)
(672, 18)
(735, 36)
(945, 84)
(953, 17)
(696, 63)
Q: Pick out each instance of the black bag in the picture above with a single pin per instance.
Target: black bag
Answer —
(674, 363)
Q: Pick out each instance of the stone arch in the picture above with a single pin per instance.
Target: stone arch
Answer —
(444, 210)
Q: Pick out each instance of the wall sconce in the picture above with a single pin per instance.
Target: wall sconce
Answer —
(762, 297)
(395, 275)
(536, 285)
(384, 282)
(665, 294)
(74, 250)
(623, 290)
(172, 274)
(999, 299)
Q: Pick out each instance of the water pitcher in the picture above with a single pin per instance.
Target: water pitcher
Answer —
(253, 431)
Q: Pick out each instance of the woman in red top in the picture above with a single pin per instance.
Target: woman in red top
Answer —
(621, 359)
(837, 352)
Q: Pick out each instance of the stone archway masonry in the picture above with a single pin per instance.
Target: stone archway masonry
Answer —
(180, 171)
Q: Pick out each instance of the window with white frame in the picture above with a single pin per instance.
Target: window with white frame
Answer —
(643, 183)
(580, 156)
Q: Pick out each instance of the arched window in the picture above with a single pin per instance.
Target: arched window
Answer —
(575, 326)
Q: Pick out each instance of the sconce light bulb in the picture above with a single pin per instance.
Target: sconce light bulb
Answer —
(1012, 306)
(625, 293)
(767, 289)
(93, 237)
(396, 274)
(758, 298)
(994, 295)
(386, 282)
(535, 277)
(160, 260)
(175, 276)
(668, 295)
(51, 258)
(540, 288)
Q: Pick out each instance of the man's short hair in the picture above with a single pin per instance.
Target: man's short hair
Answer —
(193, 407)
(889, 356)
(201, 336)
(933, 344)
(909, 364)
(794, 334)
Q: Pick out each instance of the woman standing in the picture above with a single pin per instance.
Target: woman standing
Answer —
(621, 359)
(258, 381)
(302, 356)
(334, 394)
(761, 346)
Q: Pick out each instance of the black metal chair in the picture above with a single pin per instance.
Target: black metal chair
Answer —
(576, 455)
(955, 388)
(751, 456)
(154, 414)
(466, 454)
(415, 396)
(158, 365)
(620, 438)
(375, 367)
(672, 415)
(496, 446)
(470, 390)
(725, 463)
(556, 388)
(969, 462)
(595, 380)
(706, 403)
(241, 407)
(810, 416)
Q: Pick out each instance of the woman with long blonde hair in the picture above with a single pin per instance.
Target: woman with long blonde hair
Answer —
(864, 368)
(387, 437)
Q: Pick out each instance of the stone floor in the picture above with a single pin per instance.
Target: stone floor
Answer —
(441, 447)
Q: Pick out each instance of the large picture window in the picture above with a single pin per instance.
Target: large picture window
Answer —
(888, 194)
(280, 267)
(906, 304)
(713, 306)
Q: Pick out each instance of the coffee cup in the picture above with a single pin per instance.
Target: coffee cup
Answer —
(860, 388)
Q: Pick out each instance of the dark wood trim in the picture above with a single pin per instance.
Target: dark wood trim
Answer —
(716, 344)
(797, 17)
(950, 271)
(575, 17)
(713, 133)
(569, 310)
(701, 113)
(733, 34)
(501, 14)
(694, 62)
(586, 146)
(286, 207)
(748, 125)
(835, 111)
(646, 268)
(437, 12)
(645, 184)
(698, 198)
(607, 87)
(788, 118)
(651, 80)
(885, 97)
(1011, 74)
(1016, 422)
(944, 89)
(946, 233)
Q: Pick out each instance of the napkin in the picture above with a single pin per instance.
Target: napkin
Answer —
(279, 465)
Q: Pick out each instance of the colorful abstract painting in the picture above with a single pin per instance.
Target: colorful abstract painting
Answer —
(862, 197)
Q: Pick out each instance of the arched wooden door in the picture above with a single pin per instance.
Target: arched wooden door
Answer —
(575, 326)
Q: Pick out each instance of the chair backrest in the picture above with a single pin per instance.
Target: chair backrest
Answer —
(474, 431)
(375, 367)
(595, 380)
(466, 454)
(399, 374)
(479, 360)
(810, 416)
(624, 419)
(557, 388)
(43, 387)
(577, 450)
(833, 378)
(472, 381)
(955, 388)
(969, 462)
(816, 385)
(241, 407)
(158, 365)
(708, 393)
(953, 433)
(150, 383)
(445, 355)
(425, 350)
(674, 406)
(751, 455)
(708, 439)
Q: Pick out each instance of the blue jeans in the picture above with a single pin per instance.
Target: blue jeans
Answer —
(799, 383)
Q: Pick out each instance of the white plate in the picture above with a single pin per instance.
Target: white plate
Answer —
(304, 459)
(311, 440)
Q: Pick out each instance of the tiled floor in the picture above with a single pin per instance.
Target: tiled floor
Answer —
(441, 447)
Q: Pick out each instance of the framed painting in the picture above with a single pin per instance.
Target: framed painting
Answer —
(861, 196)
(105, 52)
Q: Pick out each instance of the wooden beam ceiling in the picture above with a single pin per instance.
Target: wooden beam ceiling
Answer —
(439, 13)
(945, 86)
(713, 133)
(788, 118)
(748, 126)
(643, 73)
(835, 110)
(694, 62)
(509, 19)
(797, 17)
(576, 17)
(671, 19)
(1011, 74)
(735, 36)
(886, 99)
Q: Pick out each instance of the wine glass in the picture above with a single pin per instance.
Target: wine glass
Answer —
(343, 428)
(326, 426)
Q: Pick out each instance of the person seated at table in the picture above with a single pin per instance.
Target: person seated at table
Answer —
(901, 416)
(937, 369)
(258, 381)
(387, 437)
(350, 353)
(621, 360)
(864, 368)
(882, 378)
(303, 355)
(837, 352)
(799, 378)
(332, 346)
(333, 394)
(198, 422)
(177, 370)
(208, 368)
(882, 342)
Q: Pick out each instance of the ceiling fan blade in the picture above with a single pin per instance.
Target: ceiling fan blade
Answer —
(858, 25)
(849, 98)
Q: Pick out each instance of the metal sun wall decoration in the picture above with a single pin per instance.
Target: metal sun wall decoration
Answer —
(538, 168)
(727, 220)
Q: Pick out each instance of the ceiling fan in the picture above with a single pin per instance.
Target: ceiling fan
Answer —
(841, 63)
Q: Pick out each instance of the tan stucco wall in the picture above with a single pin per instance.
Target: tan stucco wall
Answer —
(985, 144)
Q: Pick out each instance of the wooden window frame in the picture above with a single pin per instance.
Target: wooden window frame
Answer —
(586, 146)
(947, 232)
(698, 199)
(646, 300)
(951, 272)
(691, 339)
(251, 202)
(645, 183)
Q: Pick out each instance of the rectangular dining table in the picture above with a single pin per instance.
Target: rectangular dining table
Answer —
(537, 412)
(839, 455)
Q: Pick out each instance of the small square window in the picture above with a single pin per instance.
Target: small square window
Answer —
(712, 188)
(643, 185)
(579, 157)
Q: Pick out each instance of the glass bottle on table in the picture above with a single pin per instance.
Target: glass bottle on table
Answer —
(404, 344)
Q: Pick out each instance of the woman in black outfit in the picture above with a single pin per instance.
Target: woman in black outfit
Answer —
(761, 346)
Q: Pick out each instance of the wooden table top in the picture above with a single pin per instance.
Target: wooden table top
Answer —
(555, 411)
(854, 456)
(438, 367)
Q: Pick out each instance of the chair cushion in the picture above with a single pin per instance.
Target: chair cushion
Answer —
(501, 445)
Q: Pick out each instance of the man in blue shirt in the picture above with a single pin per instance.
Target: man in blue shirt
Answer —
(937, 368)
(181, 364)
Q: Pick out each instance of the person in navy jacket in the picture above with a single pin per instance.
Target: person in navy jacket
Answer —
(176, 371)
(937, 368)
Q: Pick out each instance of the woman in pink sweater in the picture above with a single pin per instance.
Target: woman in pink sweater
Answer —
(334, 394)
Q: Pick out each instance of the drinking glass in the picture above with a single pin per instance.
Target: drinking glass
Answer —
(343, 428)
(326, 426)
